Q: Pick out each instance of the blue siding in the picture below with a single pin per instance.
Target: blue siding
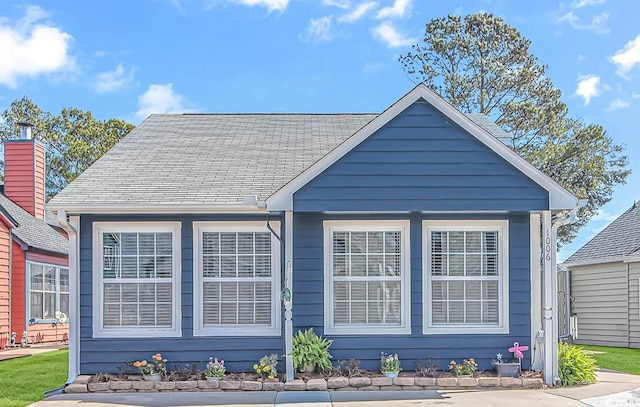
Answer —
(106, 354)
(309, 300)
(421, 161)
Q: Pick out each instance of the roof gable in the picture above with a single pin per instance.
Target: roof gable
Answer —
(559, 198)
(618, 241)
(33, 232)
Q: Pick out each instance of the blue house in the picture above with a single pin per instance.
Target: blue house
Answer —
(415, 231)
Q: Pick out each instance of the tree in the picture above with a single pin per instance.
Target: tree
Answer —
(73, 140)
(479, 64)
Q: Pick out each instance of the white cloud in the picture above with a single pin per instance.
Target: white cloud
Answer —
(635, 95)
(597, 24)
(617, 104)
(319, 29)
(31, 49)
(587, 3)
(337, 3)
(603, 215)
(400, 9)
(588, 87)
(358, 12)
(160, 99)
(111, 81)
(272, 5)
(628, 57)
(387, 33)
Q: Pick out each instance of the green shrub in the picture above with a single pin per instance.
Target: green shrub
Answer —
(310, 349)
(575, 367)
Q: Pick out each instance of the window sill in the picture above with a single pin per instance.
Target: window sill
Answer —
(377, 330)
(237, 332)
(142, 333)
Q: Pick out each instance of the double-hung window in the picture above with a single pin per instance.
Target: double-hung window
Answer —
(466, 276)
(48, 291)
(236, 279)
(367, 275)
(136, 279)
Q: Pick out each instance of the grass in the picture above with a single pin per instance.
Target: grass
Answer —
(23, 380)
(620, 359)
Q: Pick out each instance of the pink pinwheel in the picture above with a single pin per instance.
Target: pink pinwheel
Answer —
(517, 350)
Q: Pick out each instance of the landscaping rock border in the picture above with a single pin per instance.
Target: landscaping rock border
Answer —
(84, 384)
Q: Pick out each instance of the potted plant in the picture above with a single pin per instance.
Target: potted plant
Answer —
(154, 370)
(266, 368)
(215, 370)
(311, 351)
(466, 368)
(506, 367)
(390, 365)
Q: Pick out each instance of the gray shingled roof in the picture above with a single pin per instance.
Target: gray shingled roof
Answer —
(618, 240)
(213, 159)
(209, 159)
(32, 231)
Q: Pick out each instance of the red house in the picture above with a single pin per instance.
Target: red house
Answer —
(34, 273)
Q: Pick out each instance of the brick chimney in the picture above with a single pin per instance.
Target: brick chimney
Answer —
(24, 172)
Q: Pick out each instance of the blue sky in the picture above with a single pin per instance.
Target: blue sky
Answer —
(128, 59)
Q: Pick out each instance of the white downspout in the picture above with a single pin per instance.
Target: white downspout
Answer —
(288, 281)
(71, 226)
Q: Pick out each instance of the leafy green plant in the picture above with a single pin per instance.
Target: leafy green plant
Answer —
(575, 367)
(310, 349)
(389, 363)
(266, 367)
(467, 367)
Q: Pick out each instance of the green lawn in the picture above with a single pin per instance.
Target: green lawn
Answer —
(620, 359)
(23, 380)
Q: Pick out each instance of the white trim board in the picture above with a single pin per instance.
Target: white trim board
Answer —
(559, 198)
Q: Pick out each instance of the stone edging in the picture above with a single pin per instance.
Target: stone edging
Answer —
(84, 384)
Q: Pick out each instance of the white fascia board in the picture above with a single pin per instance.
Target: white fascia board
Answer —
(77, 209)
(559, 198)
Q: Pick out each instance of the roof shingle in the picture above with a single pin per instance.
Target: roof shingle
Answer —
(618, 240)
(32, 231)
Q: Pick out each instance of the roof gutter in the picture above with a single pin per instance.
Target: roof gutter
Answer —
(71, 227)
(77, 209)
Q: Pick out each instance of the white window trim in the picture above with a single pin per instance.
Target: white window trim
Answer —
(28, 290)
(331, 226)
(240, 330)
(99, 331)
(502, 226)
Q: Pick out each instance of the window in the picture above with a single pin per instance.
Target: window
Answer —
(367, 274)
(136, 279)
(466, 276)
(236, 279)
(49, 291)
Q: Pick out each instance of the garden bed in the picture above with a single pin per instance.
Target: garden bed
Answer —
(365, 381)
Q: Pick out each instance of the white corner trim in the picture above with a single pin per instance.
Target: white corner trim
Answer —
(559, 198)
(329, 226)
(535, 260)
(97, 253)
(198, 296)
(502, 226)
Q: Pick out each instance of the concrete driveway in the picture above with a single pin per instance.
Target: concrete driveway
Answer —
(612, 389)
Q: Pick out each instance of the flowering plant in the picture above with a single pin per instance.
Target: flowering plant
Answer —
(215, 368)
(467, 367)
(157, 365)
(266, 367)
(389, 363)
